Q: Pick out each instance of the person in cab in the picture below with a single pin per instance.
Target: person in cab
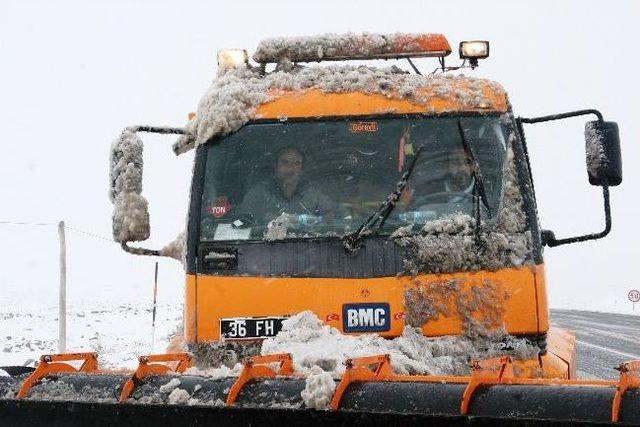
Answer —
(284, 192)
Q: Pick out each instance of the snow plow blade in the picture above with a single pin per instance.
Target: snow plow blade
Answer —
(278, 400)
(367, 393)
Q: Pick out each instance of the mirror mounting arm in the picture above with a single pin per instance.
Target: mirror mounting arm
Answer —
(549, 238)
(139, 251)
(576, 113)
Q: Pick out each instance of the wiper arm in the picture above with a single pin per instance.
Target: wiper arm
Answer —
(379, 216)
(478, 181)
(475, 169)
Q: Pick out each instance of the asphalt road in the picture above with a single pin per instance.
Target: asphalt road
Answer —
(604, 340)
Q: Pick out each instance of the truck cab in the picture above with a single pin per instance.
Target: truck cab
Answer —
(376, 198)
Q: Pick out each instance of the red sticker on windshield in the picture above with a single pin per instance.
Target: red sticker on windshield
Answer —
(220, 208)
(363, 126)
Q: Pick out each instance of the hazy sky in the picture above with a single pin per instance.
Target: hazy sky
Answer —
(73, 74)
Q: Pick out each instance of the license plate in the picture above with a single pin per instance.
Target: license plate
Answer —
(239, 328)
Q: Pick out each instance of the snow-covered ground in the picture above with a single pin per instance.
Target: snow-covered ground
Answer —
(118, 333)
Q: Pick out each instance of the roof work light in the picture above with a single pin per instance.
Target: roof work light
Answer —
(474, 50)
(232, 58)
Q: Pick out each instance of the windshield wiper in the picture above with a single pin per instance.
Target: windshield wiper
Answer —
(478, 181)
(377, 219)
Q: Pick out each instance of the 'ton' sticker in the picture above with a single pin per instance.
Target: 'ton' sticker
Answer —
(220, 208)
(363, 126)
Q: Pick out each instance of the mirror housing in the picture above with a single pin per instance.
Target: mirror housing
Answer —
(604, 160)
(130, 208)
(131, 213)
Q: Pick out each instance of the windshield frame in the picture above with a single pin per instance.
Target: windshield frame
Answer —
(202, 152)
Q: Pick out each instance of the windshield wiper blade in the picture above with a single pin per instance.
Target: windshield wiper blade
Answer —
(478, 183)
(379, 216)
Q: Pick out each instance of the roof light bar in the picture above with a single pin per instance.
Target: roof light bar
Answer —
(232, 58)
(335, 47)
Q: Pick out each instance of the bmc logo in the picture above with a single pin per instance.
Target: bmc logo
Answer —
(370, 317)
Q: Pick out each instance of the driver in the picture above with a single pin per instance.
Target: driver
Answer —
(283, 193)
(454, 186)
(459, 178)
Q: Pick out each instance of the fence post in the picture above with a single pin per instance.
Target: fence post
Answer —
(62, 294)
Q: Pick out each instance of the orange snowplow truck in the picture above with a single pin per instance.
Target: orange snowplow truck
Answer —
(376, 198)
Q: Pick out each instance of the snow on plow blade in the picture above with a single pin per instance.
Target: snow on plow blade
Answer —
(367, 393)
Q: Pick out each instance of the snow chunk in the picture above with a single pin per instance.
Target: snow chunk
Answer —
(216, 373)
(170, 386)
(125, 169)
(318, 389)
(596, 154)
(480, 306)
(130, 218)
(221, 354)
(50, 389)
(178, 397)
(130, 214)
(177, 248)
(277, 228)
(312, 343)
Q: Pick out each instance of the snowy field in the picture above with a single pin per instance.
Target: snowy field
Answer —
(118, 333)
(121, 332)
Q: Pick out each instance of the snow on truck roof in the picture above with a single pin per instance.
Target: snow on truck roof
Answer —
(239, 95)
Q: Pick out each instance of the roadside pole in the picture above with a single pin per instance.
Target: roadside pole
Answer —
(634, 297)
(62, 295)
(153, 317)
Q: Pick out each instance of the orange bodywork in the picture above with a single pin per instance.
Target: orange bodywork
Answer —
(211, 298)
(519, 293)
(315, 103)
(524, 309)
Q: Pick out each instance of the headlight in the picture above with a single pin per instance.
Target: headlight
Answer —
(232, 58)
(474, 49)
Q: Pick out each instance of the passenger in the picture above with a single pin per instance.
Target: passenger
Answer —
(284, 194)
(459, 178)
(453, 185)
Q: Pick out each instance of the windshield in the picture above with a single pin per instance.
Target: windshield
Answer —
(309, 179)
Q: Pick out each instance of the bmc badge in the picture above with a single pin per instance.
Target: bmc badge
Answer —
(369, 317)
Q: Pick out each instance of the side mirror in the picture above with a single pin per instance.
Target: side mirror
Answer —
(604, 161)
(604, 165)
(130, 208)
(130, 213)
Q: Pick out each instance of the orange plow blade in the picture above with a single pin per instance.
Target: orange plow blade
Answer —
(268, 390)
